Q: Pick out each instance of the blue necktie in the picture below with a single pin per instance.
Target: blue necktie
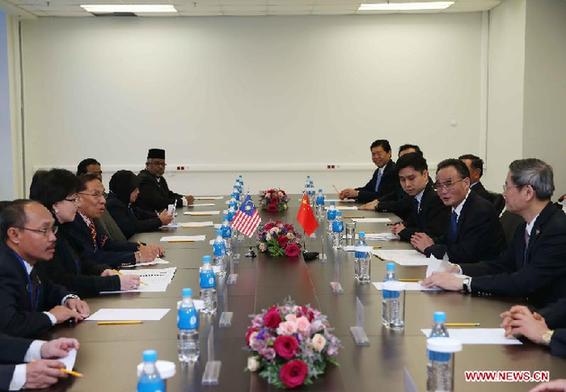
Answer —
(377, 180)
(453, 227)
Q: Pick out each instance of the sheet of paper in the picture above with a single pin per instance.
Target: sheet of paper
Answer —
(479, 336)
(170, 226)
(126, 314)
(436, 265)
(196, 224)
(387, 236)
(209, 197)
(371, 220)
(340, 201)
(183, 238)
(409, 286)
(402, 257)
(354, 208)
(201, 205)
(157, 261)
(152, 280)
(70, 359)
(201, 213)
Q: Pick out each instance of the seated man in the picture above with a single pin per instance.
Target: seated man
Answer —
(427, 214)
(89, 166)
(154, 191)
(120, 203)
(91, 242)
(474, 232)
(384, 180)
(533, 265)
(475, 166)
(42, 369)
(30, 306)
(409, 148)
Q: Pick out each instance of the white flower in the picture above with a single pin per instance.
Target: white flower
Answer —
(253, 364)
(262, 247)
(318, 342)
(268, 237)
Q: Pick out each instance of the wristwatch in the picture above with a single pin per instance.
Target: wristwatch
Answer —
(547, 336)
(467, 285)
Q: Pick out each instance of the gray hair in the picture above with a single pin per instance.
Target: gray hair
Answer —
(536, 173)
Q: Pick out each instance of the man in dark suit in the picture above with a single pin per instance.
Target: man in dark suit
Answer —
(28, 305)
(533, 265)
(426, 213)
(42, 369)
(474, 231)
(384, 180)
(90, 240)
(154, 191)
(475, 166)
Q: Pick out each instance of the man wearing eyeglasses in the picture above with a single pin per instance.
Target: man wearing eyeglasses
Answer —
(154, 191)
(29, 305)
(474, 231)
(533, 266)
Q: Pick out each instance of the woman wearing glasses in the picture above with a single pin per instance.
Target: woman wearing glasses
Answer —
(57, 191)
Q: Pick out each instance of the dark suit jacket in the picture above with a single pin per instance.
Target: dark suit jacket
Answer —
(400, 206)
(540, 277)
(17, 317)
(79, 276)
(12, 352)
(432, 219)
(388, 185)
(155, 196)
(494, 198)
(107, 251)
(131, 220)
(479, 236)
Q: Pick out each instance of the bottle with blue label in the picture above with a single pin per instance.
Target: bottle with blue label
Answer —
(230, 213)
(337, 231)
(319, 204)
(392, 304)
(207, 286)
(218, 255)
(188, 344)
(149, 379)
(235, 194)
(362, 260)
(330, 216)
(439, 330)
(226, 232)
(440, 364)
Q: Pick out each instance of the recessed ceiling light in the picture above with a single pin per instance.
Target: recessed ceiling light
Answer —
(134, 8)
(432, 5)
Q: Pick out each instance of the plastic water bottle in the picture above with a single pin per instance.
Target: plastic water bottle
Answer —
(188, 344)
(149, 379)
(330, 216)
(337, 231)
(207, 286)
(319, 202)
(438, 328)
(391, 305)
(226, 232)
(362, 260)
(235, 194)
(440, 365)
(390, 272)
(219, 253)
(231, 213)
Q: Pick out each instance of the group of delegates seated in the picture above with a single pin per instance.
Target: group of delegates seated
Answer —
(457, 219)
(63, 244)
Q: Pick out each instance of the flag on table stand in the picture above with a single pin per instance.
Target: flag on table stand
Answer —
(305, 216)
(247, 218)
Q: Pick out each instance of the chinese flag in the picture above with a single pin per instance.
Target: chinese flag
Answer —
(305, 216)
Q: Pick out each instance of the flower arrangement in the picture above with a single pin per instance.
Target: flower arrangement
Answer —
(291, 345)
(274, 200)
(279, 239)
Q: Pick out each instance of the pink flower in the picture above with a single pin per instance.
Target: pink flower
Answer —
(292, 250)
(287, 328)
(303, 325)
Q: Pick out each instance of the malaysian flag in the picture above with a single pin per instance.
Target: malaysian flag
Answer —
(247, 218)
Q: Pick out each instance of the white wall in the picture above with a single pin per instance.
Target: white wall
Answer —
(505, 94)
(545, 86)
(249, 94)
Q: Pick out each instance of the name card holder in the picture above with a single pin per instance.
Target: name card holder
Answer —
(211, 375)
(358, 331)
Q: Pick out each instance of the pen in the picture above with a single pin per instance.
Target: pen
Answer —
(71, 372)
(125, 322)
(409, 280)
(462, 324)
(121, 274)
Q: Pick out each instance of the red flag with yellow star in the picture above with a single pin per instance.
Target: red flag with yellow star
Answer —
(305, 216)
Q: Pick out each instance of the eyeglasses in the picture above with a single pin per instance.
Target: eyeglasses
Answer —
(438, 186)
(46, 232)
(505, 187)
(72, 199)
(96, 195)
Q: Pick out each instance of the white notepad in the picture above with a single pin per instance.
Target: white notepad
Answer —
(201, 213)
(409, 257)
(409, 286)
(126, 314)
(354, 208)
(157, 261)
(196, 224)
(208, 197)
(371, 220)
(201, 205)
(479, 336)
(183, 238)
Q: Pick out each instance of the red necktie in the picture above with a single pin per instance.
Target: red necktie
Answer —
(92, 230)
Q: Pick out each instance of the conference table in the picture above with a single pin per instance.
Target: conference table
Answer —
(108, 355)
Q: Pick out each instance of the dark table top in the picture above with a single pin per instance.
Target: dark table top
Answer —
(109, 354)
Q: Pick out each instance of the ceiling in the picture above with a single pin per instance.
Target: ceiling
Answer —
(71, 8)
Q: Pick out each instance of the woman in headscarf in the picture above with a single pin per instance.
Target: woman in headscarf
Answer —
(57, 190)
(124, 192)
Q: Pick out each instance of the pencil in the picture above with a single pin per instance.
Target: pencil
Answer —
(121, 274)
(409, 280)
(71, 372)
(124, 322)
(462, 324)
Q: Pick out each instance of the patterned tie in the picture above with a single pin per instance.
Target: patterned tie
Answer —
(453, 227)
(92, 230)
(378, 180)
